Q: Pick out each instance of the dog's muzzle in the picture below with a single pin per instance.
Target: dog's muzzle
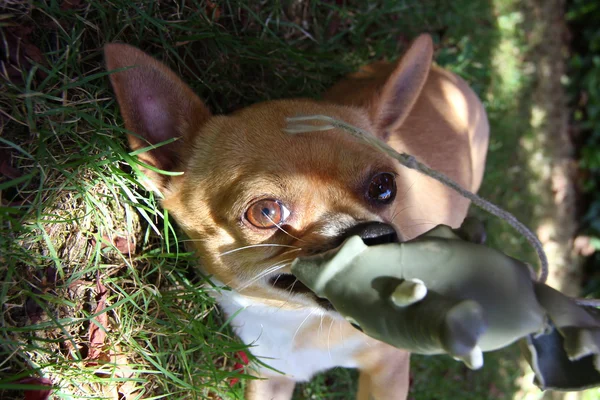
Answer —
(373, 233)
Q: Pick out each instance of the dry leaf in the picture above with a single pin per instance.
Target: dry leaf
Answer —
(123, 244)
(99, 324)
(128, 389)
(117, 366)
(40, 394)
(213, 10)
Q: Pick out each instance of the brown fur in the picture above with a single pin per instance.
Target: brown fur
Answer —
(228, 161)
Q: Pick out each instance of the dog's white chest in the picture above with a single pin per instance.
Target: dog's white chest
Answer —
(273, 336)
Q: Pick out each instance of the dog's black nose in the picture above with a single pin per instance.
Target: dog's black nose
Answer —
(373, 233)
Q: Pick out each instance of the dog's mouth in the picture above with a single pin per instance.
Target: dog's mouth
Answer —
(372, 234)
(291, 284)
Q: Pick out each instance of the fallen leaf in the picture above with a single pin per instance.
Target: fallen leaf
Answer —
(129, 388)
(123, 244)
(37, 394)
(213, 10)
(98, 324)
(116, 365)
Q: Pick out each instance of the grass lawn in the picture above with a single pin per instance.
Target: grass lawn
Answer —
(97, 289)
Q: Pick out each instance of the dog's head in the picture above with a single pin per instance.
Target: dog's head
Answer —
(253, 197)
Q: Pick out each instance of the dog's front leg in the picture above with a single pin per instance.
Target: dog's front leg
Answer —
(384, 374)
(273, 388)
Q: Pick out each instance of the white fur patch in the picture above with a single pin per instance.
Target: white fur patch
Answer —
(272, 334)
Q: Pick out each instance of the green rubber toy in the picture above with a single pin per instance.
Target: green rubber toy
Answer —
(442, 294)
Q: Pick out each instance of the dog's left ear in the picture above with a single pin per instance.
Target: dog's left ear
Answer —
(402, 89)
(156, 106)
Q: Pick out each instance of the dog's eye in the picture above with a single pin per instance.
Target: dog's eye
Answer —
(382, 188)
(267, 213)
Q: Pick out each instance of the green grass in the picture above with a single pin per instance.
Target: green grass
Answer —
(74, 190)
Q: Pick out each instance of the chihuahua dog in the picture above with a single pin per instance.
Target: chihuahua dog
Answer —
(253, 197)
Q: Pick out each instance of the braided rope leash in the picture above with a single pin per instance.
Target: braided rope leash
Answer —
(295, 126)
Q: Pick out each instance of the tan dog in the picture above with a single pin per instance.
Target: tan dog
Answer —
(253, 197)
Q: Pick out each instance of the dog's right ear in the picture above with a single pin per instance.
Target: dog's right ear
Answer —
(156, 106)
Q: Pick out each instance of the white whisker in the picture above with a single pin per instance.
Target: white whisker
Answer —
(302, 323)
(264, 273)
(270, 269)
(258, 245)
(281, 229)
(328, 336)
(290, 251)
(321, 324)
(420, 222)
(290, 293)
(397, 213)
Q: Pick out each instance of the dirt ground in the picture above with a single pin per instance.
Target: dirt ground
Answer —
(553, 158)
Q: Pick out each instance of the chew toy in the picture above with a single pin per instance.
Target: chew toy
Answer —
(441, 294)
